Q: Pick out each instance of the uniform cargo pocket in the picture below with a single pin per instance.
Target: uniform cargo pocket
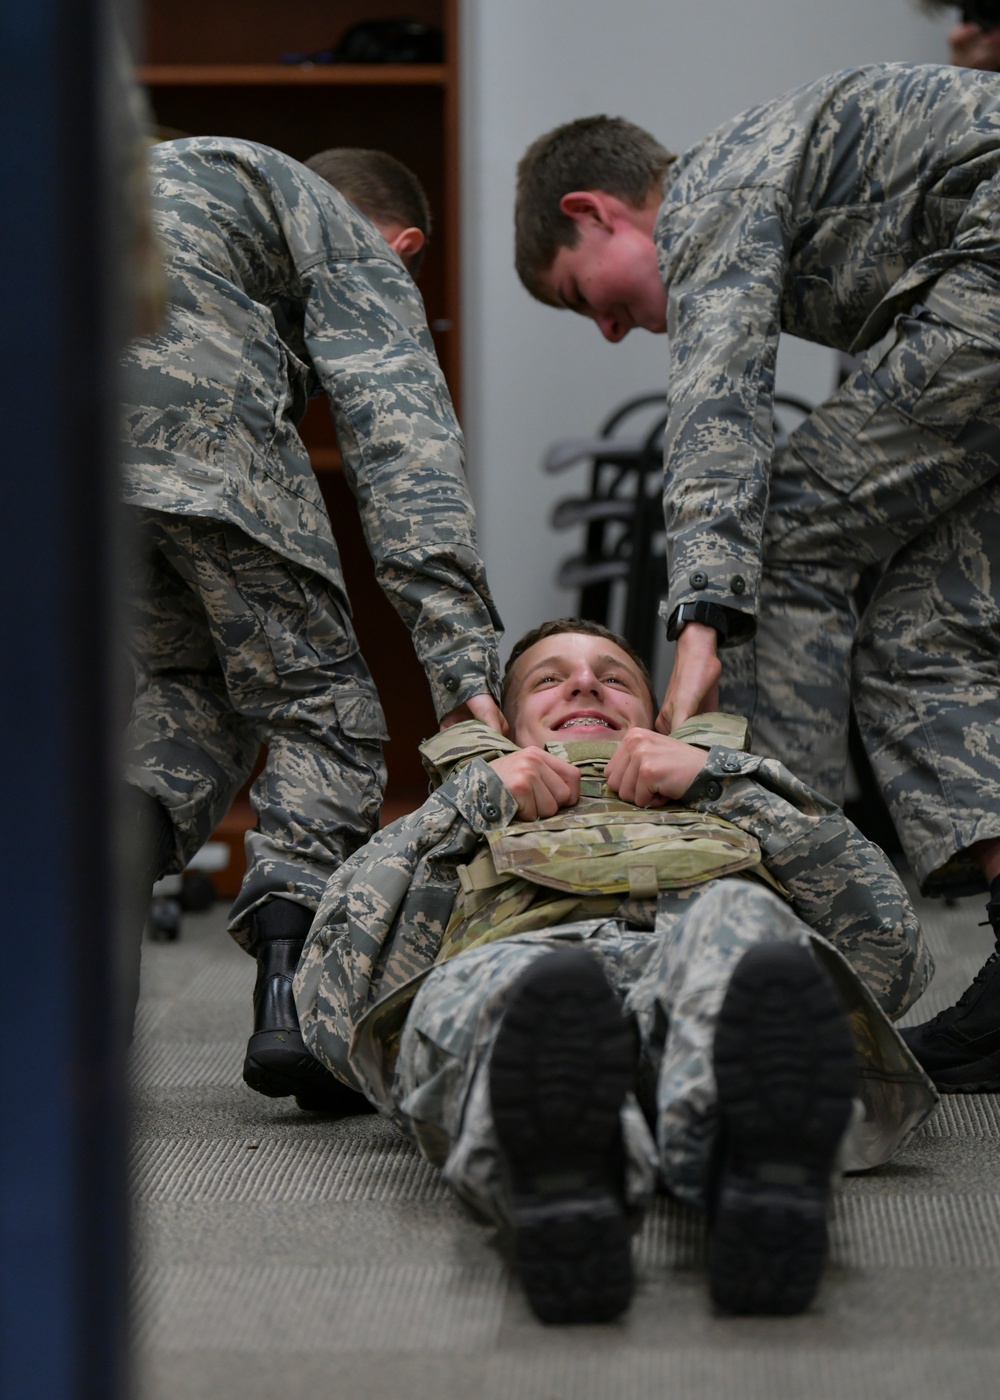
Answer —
(359, 713)
(937, 376)
(921, 378)
(303, 621)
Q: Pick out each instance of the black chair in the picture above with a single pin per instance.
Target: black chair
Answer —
(623, 515)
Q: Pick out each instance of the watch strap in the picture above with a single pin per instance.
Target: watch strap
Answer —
(710, 614)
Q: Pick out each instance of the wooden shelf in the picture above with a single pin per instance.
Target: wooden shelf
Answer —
(293, 75)
(325, 459)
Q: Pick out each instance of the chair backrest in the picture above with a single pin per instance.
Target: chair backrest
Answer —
(622, 512)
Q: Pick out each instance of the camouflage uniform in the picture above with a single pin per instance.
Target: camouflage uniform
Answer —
(380, 1008)
(278, 290)
(863, 212)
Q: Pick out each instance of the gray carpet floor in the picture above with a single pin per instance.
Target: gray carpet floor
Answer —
(280, 1254)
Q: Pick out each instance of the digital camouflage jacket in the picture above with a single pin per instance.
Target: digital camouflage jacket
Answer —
(279, 289)
(822, 213)
(383, 917)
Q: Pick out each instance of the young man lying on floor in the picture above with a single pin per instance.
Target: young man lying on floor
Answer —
(608, 960)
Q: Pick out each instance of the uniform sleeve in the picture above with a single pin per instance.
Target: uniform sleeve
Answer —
(725, 273)
(383, 915)
(838, 883)
(403, 456)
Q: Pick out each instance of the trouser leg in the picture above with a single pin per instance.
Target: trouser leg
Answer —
(927, 692)
(911, 434)
(442, 1071)
(186, 746)
(676, 1003)
(187, 752)
(294, 678)
(302, 678)
(792, 679)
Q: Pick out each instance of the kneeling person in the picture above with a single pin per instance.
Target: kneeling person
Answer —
(598, 959)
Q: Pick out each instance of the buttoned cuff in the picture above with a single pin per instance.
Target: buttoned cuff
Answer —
(452, 687)
(725, 588)
(479, 796)
(720, 769)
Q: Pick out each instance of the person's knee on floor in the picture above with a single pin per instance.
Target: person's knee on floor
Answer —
(277, 1062)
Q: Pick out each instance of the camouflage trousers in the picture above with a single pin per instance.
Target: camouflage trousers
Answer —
(899, 468)
(235, 647)
(672, 981)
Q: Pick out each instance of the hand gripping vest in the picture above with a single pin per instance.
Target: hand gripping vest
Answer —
(585, 861)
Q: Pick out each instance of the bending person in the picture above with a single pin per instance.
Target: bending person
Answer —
(280, 289)
(861, 211)
(606, 918)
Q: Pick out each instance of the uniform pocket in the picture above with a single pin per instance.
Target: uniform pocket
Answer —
(305, 624)
(936, 375)
(922, 378)
(359, 712)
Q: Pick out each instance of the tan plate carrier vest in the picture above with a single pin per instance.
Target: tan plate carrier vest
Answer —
(584, 862)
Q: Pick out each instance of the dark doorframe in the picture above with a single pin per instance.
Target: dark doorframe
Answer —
(63, 1212)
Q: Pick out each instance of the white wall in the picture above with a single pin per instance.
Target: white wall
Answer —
(532, 375)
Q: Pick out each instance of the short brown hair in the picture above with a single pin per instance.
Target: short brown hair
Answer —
(378, 184)
(593, 153)
(578, 626)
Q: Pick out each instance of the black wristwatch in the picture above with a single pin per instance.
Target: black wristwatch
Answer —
(708, 613)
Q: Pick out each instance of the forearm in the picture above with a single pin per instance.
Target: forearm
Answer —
(442, 596)
(403, 458)
(419, 526)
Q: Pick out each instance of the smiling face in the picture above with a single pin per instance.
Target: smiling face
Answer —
(611, 274)
(572, 687)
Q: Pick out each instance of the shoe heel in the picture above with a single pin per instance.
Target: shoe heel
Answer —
(786, 1075)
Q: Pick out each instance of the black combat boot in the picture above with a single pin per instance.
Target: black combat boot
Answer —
(277, 1062)
(960, 1046)
(563, 1062)
(787, 1075)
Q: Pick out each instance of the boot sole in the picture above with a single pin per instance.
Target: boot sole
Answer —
(562, 1064)
(985, 1086)
(786, 1074)
(978, 1077)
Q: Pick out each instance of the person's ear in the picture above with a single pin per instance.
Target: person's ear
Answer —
(587, 207)
(407, 243)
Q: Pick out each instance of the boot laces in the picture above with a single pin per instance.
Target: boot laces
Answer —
(984, 972)
(979, 978)
(971, 991)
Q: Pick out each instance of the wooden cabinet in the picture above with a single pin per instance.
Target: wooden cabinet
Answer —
(212, 67)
